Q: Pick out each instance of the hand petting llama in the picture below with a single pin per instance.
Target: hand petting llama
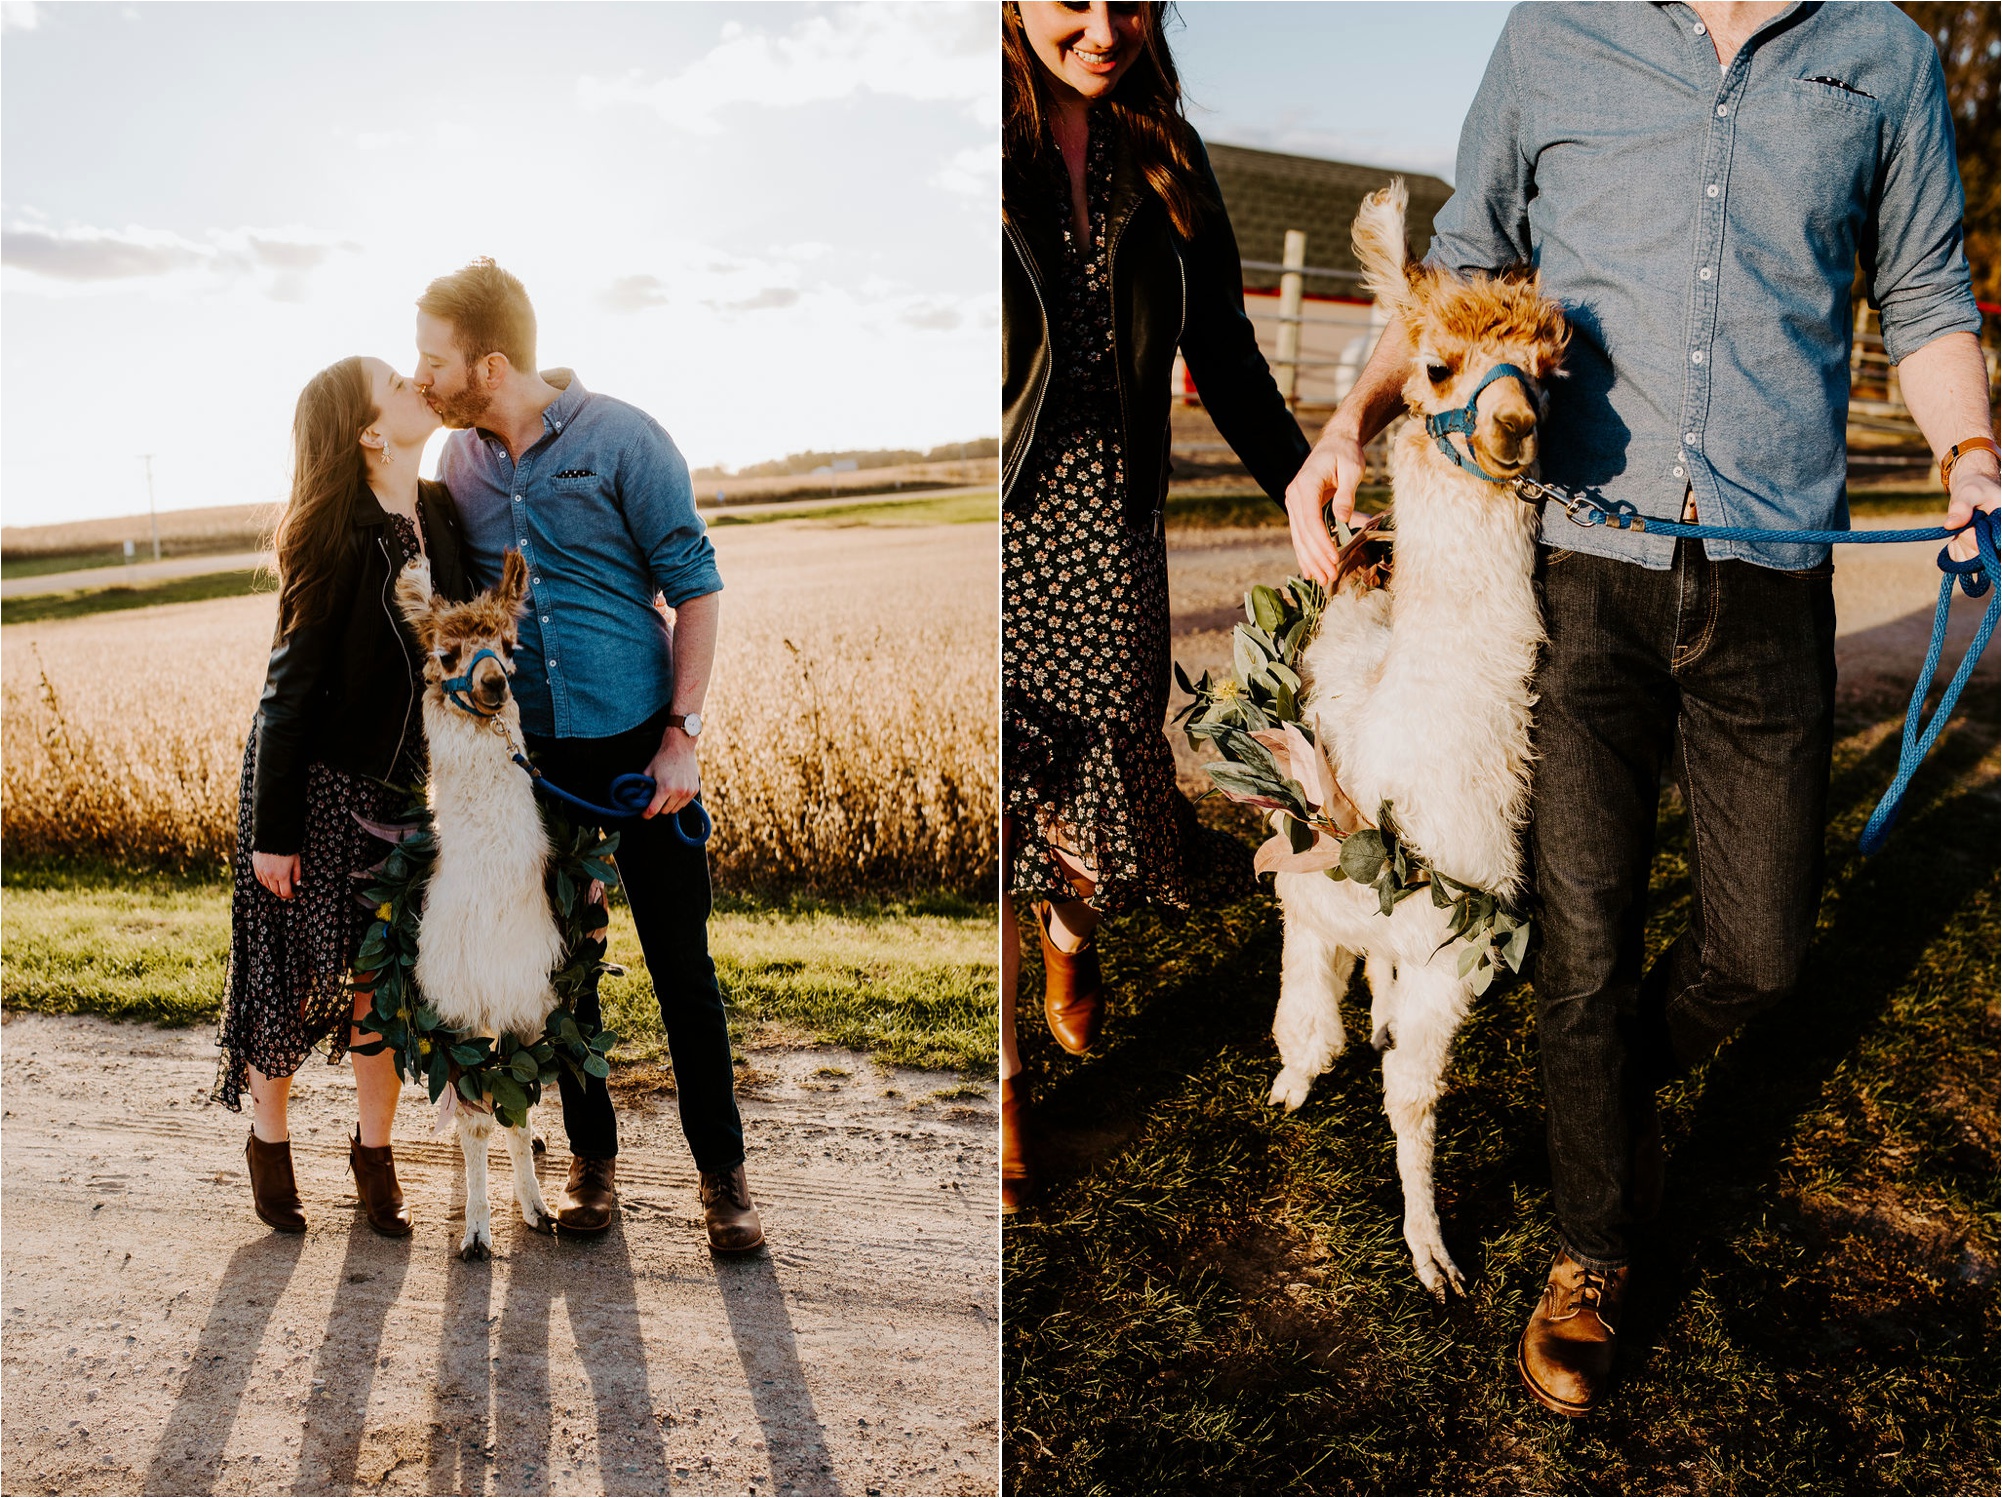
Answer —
(1419, 695)
(489, 940)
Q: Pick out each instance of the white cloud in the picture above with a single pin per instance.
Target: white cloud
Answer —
(975, 171)
(634, 294)
(20, 15)
(932, 317)
(82, 254)
(764, 300)
(923, 52)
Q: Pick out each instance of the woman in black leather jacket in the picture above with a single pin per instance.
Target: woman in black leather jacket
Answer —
(338, 739)
(1117, 251)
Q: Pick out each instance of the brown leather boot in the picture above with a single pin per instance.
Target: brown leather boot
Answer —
(374, 1171)
(589, 1197)
(1073, 991)
(274, 1193)
(1016, 1182)
(1566, 1353)
(733, 1222)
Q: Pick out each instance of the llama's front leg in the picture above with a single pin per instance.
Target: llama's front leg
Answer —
(1313, 975)
(527, 1189)
(475, 1128)
(1381, 973)
(1429, 1004)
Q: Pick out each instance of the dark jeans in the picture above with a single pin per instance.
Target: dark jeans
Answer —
(1726, 672)
(667, 885)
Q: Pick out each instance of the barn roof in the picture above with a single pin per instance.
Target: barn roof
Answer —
(1267, 193)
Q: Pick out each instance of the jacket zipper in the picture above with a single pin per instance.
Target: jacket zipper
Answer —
(1049, 341)
(410, 666)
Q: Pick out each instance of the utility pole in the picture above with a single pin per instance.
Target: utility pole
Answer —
(152, 514)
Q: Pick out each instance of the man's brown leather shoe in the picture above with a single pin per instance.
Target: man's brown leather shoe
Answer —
(727, 1211)
(1566, 1353)
(589, 1197)
(274, 1192)
(375, 1183)
(1073, 991)
(1016, 1182)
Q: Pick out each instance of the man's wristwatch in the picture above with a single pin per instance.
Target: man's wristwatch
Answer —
(688, 723)
(1959, 450)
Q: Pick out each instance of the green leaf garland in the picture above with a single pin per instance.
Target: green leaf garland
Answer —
(1261, 693)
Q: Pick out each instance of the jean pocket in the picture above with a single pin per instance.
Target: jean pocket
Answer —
(1821, 572)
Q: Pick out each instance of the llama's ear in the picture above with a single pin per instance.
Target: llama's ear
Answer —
(513, 589)
(1381, 249)
(414, 597)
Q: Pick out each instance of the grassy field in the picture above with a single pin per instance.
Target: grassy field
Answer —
(944, 509)
(39, 606)
(911, 982)
(853, 748)
(1213, 1297)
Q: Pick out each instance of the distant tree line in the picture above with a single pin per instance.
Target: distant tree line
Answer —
(806, 462)
(1970, 51)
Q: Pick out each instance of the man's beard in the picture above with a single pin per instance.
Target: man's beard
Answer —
(464, 409)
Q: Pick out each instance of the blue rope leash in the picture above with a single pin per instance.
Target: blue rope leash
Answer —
(1976, 577)
(631, 795)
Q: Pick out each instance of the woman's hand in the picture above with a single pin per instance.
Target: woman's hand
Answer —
(277, 872)
(1326, 482)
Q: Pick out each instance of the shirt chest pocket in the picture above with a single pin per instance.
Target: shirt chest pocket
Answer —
(1813, 148)
(578, 482)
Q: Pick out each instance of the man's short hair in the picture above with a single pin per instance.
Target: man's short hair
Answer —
(488, 310)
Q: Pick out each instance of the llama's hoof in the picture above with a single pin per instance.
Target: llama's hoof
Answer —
(1438, 1272)
(1290, 1089)
(538, 1217)
(1381, 1039)
(537, 1143)
(475, 1246)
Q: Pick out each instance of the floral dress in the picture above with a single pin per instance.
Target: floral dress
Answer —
(1085, 630)
(290, 960)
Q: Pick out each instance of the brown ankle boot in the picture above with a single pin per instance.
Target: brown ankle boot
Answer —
(732, 1221)
(274, 1193)
(375, 1183)
(590, 1196)
(1566, 1353)
(1073, 991)
(1016, 1182)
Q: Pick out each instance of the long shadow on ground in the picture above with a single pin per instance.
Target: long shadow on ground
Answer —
(1214, 1297)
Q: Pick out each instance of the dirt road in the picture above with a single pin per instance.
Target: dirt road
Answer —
(158, 1339)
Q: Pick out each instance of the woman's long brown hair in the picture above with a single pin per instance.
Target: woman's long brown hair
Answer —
(328, 471)
(1146, 107)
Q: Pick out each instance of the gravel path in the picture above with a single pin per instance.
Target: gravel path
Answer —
(158, 1339)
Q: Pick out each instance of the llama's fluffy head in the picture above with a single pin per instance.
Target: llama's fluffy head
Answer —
(1461, 328)
(453, 633)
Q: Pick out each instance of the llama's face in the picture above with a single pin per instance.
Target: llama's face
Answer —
(1461, 331)
(454, 634)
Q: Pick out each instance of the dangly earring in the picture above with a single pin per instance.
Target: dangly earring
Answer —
(384, 453)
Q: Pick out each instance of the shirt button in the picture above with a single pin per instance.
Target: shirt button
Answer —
(1678, 473)
(1696, 356)
(1701, 28)
(1688, 437)
(1704, 274)
(552, 660)
(1711, 189)
(537, 581)
(517, 499)
(1722, 110)
(545, 618)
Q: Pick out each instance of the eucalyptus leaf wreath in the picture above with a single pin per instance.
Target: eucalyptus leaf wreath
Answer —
(502, 1073)
(1251, 716)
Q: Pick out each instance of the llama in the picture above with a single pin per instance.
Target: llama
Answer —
(1419, 694)
(489, 941)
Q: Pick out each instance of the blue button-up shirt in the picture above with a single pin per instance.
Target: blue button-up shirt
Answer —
(601, 509)
(1702, 229)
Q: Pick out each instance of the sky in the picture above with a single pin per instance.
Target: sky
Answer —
(1376, 84)
(771, 226)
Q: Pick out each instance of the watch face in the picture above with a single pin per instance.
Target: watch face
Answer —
(692, 725)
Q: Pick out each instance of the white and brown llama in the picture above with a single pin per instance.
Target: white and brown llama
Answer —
(488, 941)
(1419, 693)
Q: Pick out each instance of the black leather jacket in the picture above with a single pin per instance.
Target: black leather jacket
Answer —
(342, 688)
(1166, 291)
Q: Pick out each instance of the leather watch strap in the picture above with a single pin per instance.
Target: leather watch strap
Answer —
(1959, 450)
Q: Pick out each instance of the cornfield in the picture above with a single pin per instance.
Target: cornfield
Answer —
(851, 742)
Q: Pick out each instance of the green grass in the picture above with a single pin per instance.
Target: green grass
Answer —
(41, 564)
(947, 509)
(1214, 1297)
(123, 596)
(910, 982)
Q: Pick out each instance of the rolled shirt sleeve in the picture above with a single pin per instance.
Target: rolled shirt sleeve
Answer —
(1918, 273)
(659, 502)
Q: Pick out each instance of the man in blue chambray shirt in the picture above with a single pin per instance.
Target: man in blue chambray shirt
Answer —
(597, 499)
(1698, 185)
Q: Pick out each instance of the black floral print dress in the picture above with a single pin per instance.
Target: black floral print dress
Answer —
(290, 960)
(1085, 627)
